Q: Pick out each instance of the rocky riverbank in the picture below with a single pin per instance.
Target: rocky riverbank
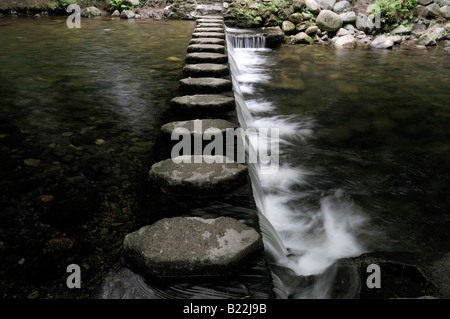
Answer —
(344, 24)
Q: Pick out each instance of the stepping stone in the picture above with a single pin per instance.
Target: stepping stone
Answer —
(198, 175)
(207, 41)
(209, 20)
(215, 48)
(192, 246)
(210, 25)
(206, 57)
(199, 127)
(205, 70)
(203, 103)
(205, 85)
(198, 29)
(219, 35)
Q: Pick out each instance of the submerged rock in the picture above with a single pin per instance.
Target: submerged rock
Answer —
(192, 246)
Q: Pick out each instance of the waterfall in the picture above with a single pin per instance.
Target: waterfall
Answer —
(302, 245)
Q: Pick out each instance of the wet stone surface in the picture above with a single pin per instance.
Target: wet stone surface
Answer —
(192, 246)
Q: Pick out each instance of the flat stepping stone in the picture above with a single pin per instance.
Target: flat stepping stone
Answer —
(206, 70)
(198, 175)
(198, 127)
(209, 20)
(219, 35)
(207, 41)
(203, 103)
(214, 48)
(192, 246)
(206, 57)
(210, 25)
(204, 29)
(205, 85)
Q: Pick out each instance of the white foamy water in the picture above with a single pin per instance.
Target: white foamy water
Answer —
(308, 240)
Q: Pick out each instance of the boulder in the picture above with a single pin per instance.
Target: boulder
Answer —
(312, 30)
(432, 10)
(445, 11)
(426, 39)
(116, 13)
(298, 5)
(382, 42)
(401, 29)
(439, 33)
(341, 32)
(302, 37)
(312, 6)
(127, 14)
(191, 247)
(296, 18)
(345, 42)
(348, 17)
(425, 2)
(90, 12)
(364, 23)
(329, 21)
(288, 27)
(342, 6)
(326, 4)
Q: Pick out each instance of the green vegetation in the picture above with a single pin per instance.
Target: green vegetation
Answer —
(392, 11)
(59, 5)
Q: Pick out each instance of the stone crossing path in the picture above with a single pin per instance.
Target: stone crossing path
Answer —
(193, 246)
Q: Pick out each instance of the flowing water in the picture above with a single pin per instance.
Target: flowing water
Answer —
(364, 153)
(363, 156)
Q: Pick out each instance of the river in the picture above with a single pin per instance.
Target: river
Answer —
(363, 163)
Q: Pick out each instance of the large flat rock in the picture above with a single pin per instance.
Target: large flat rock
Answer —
(220, 35)
(192, 246)
(199, 126)
(215, 48)
(203, 103)
(220, 41)
(199, 175)
(205, 85)
(208, 29)
(206, 57)
(206, 70)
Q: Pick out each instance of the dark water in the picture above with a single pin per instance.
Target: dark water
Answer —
(81, 111)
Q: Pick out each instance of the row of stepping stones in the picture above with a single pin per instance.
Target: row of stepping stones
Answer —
(193, 246)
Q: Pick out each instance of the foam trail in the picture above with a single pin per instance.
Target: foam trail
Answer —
(305, 240)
